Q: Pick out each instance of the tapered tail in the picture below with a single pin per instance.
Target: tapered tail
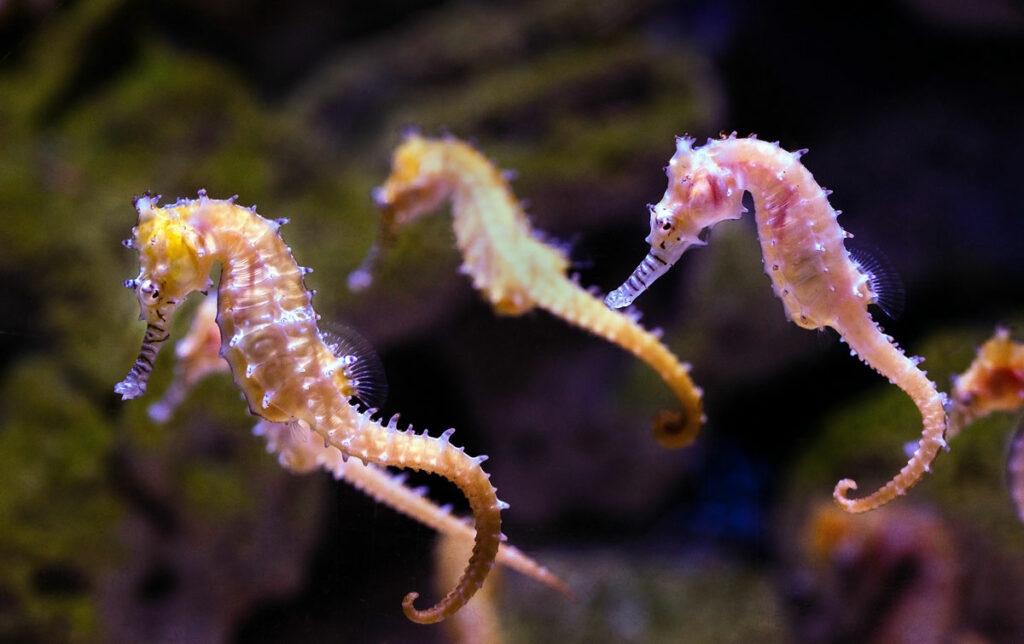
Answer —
(134, 384)
(581, 308)
(371, 441)
(889, 361)
(653, 267)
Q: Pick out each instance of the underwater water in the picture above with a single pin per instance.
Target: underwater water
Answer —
(116, 528)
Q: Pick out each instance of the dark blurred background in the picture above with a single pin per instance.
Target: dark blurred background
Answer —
(113, 528)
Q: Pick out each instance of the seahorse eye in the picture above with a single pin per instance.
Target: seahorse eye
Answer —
(150, 289)
(665, 223)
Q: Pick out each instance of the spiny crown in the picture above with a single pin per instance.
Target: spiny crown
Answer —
(170, 251)
(696, 181)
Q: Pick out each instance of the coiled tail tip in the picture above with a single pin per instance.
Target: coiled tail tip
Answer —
(676, 429)
(853, 506)
(432, 615)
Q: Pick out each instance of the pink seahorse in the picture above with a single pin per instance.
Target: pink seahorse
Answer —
(811, 271)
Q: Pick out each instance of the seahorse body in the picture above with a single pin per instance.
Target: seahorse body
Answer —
(506, 261)
(851, 564)
(286, 371)
(804, 255)
(198, 355)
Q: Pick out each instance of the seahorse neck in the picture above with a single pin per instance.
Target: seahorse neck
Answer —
(268, 326)
(482, 203)
(764, 169)
(500, 252)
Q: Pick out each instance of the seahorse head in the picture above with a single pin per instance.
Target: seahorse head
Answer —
(417, 184)
(700, 194)
(172, 264)
(171, 259)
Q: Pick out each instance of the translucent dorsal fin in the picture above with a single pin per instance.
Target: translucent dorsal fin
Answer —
(886, 285)
(364, 369)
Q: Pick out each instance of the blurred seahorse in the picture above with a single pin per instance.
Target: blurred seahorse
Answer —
(994, 382)
(893, 576)
(510, 265)
(284, 367)
(478, 620)
(198, 355)
(818, 280)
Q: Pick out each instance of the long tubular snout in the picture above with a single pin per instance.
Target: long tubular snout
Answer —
(134, 384)
(651, 268)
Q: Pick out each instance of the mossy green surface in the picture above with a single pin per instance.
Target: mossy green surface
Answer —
(57, 510)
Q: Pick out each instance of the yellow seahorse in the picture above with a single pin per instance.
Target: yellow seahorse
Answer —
(198, 355)
(509, 264)
(994, 382)
(278, 358)
(811, 271)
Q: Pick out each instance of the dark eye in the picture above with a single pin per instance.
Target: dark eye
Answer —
(155, 294)
(666, 225)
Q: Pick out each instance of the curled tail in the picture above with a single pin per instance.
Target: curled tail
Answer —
(375, 481)
(390, 489)
(879, 352)
(579, 307)
(388, 445)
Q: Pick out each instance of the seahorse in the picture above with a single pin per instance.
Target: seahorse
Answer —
(198, 355)
(802, 243)
(893, 576)
(510, 264)
(994, 382)
(278, 357)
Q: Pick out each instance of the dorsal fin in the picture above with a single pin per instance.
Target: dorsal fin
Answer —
(886, 285)
(365, 371)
